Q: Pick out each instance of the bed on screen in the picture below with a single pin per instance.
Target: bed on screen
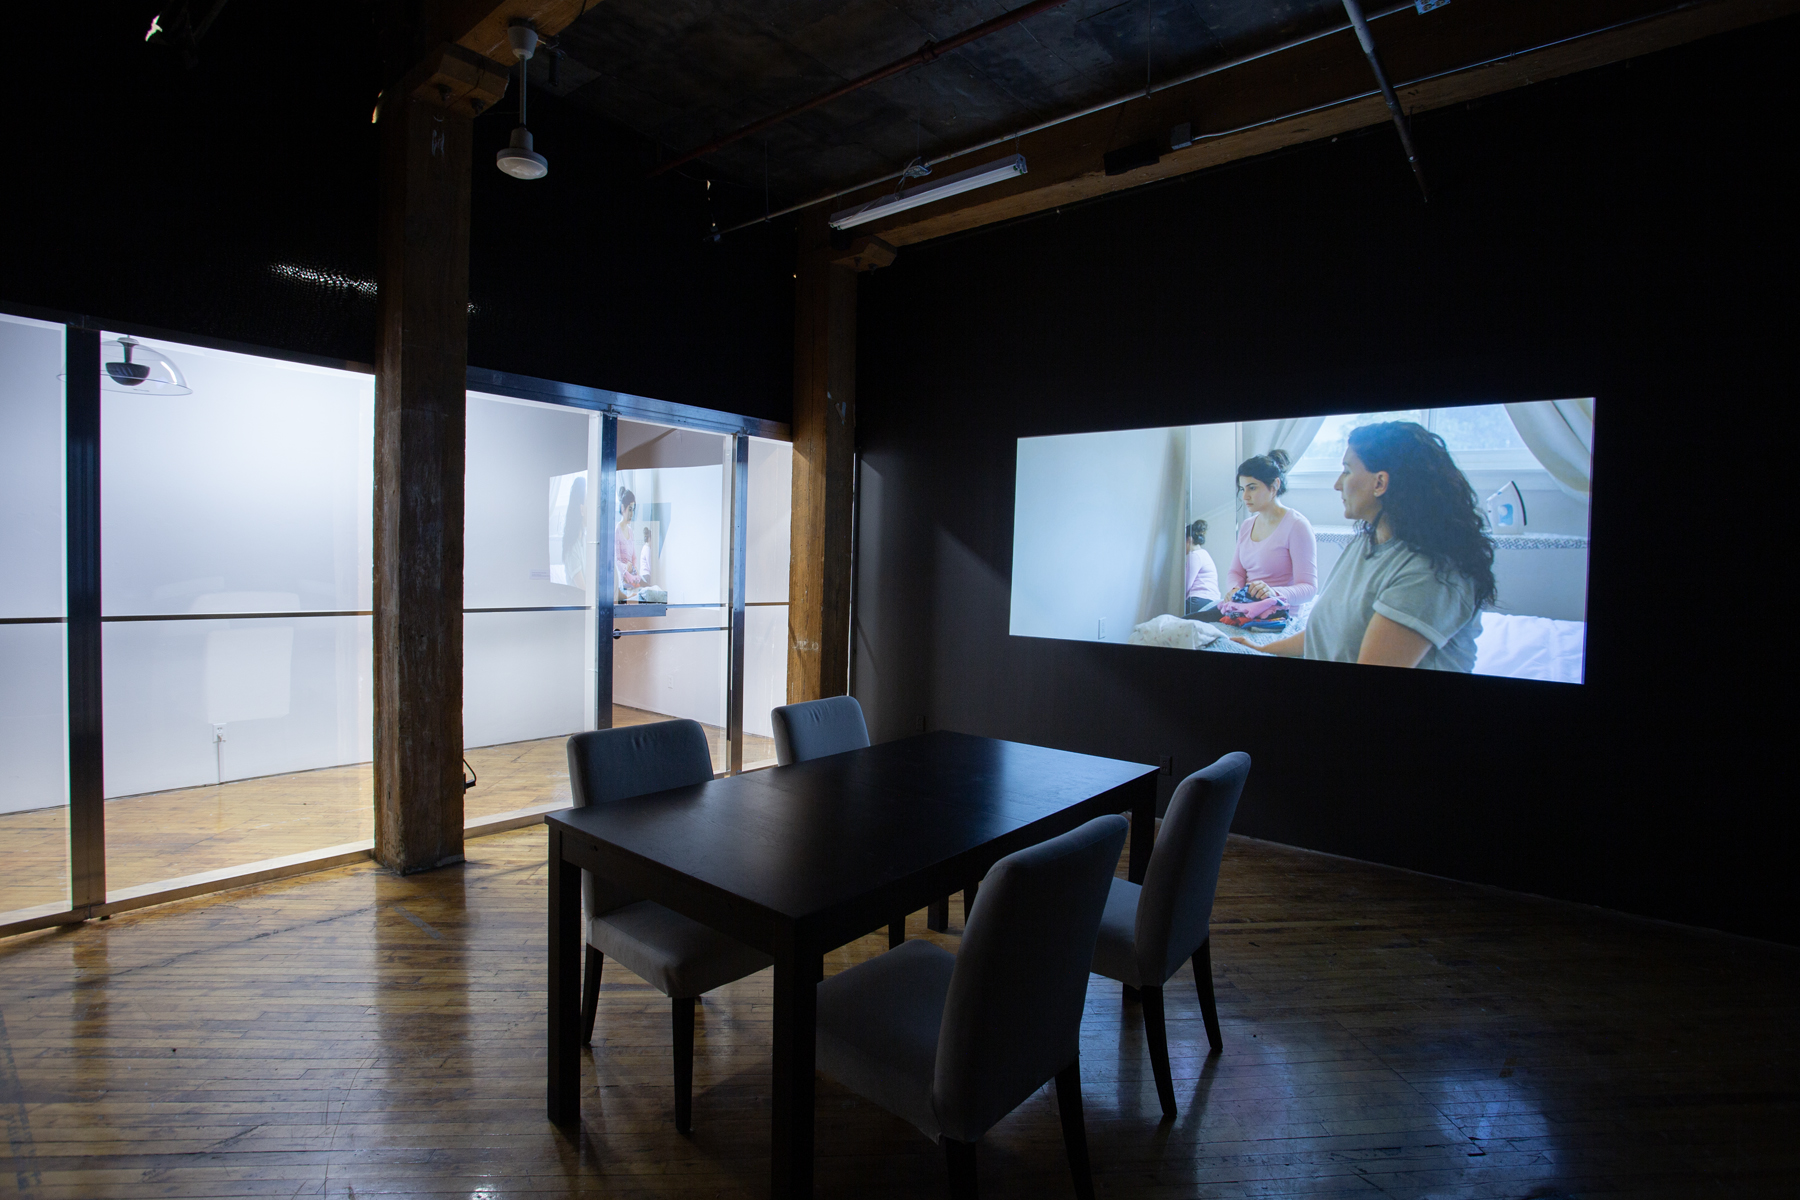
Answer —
(1512, 645)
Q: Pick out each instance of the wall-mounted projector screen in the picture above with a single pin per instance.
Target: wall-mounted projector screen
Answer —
(1453, 539)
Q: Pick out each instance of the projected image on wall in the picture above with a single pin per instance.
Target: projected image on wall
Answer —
(1450, 539)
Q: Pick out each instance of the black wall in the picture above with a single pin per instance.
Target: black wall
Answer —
(141, 190)
(1627, 233)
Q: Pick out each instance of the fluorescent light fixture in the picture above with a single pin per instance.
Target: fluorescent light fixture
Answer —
(950, 185)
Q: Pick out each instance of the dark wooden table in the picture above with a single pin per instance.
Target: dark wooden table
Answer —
(799, 860)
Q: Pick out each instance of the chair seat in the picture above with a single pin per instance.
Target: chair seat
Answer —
(1115, 953)
(674, 954)
(878, 1028)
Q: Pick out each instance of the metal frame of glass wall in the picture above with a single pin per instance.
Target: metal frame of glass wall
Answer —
(85, 729)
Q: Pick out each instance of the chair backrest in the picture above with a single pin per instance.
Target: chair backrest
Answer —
(817, 728)
(614, 764)
(1175, 910)
(1012, 1019)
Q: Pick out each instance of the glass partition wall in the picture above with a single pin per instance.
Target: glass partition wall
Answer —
(34, 788)
(219, 507)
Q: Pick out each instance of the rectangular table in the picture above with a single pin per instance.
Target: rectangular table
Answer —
(799, 860)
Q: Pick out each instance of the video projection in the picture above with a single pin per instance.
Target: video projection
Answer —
(1451, 539)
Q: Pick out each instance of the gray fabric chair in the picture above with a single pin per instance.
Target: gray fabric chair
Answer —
(953, 1043)
(1149, 931)
(679, 957)
(816, 728)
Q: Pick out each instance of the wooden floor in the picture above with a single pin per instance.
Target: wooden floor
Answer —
(354, 1034)
(185, 831)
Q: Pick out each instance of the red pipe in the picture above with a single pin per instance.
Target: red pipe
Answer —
(931, 51)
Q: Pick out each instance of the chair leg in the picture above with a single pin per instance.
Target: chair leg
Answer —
(1156, 1032)
(896, 932)
(1132, 995)
(1068, 1104)
(681, 1009)
(1209, 1004)
(960, 1158)
(937, 917)
(590, 995)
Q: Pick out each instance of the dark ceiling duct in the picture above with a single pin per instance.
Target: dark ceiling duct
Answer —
(931, 50)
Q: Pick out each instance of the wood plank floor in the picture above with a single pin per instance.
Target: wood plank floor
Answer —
(354, 1034)
(185, 831)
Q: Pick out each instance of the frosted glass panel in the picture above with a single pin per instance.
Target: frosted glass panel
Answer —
(765, 669)
(660, 676)
(31, 468)
(34, 793)
(291, 694)
(254, 494)
(528, 531)
(770, 521)
(525, 675)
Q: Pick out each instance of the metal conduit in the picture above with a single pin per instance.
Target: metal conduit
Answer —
(1065, 118)
(1354, 10)
(1386, 12)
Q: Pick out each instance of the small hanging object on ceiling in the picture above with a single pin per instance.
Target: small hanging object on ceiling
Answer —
(133, 367)
(518, 159)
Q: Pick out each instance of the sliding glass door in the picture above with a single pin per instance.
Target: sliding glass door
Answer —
(529, 593)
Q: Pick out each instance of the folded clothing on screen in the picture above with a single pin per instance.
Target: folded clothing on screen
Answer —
(1172, 631)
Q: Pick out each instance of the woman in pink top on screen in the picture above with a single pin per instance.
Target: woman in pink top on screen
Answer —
(625, 559)
(1277, 555)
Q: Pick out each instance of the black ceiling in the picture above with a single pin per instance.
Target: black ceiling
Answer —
(683, 72)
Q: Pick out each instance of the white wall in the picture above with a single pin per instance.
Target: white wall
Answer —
(1097, 532)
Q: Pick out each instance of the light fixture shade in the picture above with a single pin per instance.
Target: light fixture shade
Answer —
(127, 365)
(937, 189)
(519, 160)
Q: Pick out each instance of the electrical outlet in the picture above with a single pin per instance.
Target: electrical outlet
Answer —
(219, 732)
(1167, 763)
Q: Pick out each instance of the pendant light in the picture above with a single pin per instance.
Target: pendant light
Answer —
(518, 159)
(131, 366)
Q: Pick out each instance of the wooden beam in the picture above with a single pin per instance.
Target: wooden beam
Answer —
(824, 467)
(1543, 39)
(483, 22)
(420, 402)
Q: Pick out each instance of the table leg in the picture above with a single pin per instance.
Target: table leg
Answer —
(563, 1084)
(797, 976)
(1143, 827)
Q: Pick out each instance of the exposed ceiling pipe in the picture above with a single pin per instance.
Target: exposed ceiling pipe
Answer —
(932, 50)
(1354, 11)
(1214, 69)
(1090, 110)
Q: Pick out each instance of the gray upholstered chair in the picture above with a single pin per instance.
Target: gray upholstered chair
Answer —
(1149, 931)
(816, 728)
(953, 1043)
(679, 957)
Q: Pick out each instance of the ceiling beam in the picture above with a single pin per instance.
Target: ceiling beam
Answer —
(480, 25)
(1460, 52)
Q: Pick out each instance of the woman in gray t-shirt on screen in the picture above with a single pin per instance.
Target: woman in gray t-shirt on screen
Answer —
(1408, 591)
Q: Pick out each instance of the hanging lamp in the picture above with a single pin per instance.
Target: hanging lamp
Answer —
(518, 159)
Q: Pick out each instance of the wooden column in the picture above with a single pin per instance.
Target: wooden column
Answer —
(422, 360)
(824, 467)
